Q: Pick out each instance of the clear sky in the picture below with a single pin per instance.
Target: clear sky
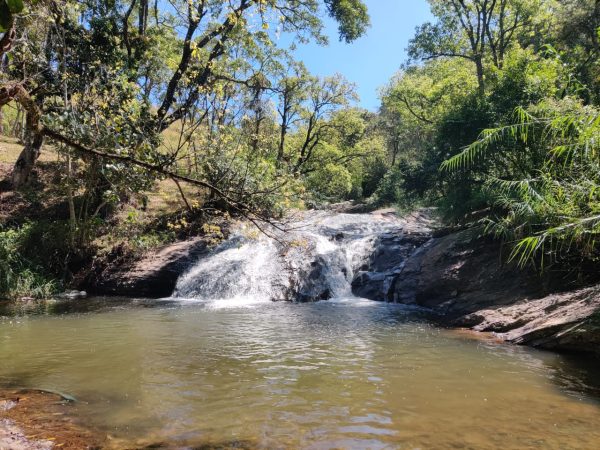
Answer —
(373, 59)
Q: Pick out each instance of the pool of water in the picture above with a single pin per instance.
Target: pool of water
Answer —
(346, 374)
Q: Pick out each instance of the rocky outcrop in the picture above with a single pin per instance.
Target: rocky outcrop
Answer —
(384, 266)
(460, 273)
(565, 321)
(465, 281)
(376, 277)
(152, 276)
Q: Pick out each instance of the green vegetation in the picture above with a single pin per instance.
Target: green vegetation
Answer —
(495, 121)
(21, 276)
(138, 123)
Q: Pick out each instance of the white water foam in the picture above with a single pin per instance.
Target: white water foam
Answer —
(324, 251)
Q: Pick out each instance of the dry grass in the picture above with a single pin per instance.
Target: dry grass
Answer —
(164, 198)
(10, 149)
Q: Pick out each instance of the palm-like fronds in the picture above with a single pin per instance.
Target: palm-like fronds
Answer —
(553, 205)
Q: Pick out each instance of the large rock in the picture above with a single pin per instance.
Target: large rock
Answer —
(392, 250)
(564, 321)
(461, 273)
(467, 282)
(152, 276)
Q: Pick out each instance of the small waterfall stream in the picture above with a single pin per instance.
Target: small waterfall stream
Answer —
(315, 261)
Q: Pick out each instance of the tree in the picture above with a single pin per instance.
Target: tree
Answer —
(324, 98)
(213, 32)
(551, 208)
(474, 30)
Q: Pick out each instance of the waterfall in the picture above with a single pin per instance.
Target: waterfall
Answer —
(317, 260)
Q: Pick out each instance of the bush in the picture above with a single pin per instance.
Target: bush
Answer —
(20, 276)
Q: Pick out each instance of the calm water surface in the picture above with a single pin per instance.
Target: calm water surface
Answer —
(348, 374)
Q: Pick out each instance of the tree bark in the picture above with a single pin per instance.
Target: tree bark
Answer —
(34, 137)
(27, 158)
(480, 75)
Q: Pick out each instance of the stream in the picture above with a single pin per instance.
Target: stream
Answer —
(219, 363)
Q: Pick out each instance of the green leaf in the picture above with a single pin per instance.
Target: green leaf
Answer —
(5, 16)
(15, 6)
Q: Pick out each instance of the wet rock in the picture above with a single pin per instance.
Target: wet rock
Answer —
(467, 282)
(371, 285)
(313, 286)
(391, 252)
(73, 295)
(563, 321)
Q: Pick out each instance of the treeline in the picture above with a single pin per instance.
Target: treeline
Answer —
(495, 120)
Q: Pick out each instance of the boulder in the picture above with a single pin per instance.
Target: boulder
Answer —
(153, 275)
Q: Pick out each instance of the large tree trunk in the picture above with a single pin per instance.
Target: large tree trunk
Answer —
(34, 137)
(24, 165)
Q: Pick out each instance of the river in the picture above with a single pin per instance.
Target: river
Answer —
(240, 370)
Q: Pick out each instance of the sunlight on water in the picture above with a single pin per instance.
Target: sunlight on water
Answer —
(239, 301)
(343, 374)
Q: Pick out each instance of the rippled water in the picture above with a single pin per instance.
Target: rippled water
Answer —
(345, 374)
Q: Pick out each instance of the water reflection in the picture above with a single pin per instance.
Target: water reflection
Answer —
(344, 374)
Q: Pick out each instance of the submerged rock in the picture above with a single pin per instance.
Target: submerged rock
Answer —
(38, 420)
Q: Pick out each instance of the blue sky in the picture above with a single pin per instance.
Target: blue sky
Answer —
(373, 59)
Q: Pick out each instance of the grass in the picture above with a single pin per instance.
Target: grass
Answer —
(141, 224)
(10, 149)
(164, 198)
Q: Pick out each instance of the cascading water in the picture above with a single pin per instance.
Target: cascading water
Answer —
(315, 261)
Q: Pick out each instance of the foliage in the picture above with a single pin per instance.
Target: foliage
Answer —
(130, 96)
(201, 94)
(553, 209)
(507, 141)
(352, 16)
(8, 8)
(19, 275)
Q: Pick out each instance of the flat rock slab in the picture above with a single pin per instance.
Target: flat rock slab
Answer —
(38, 420)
